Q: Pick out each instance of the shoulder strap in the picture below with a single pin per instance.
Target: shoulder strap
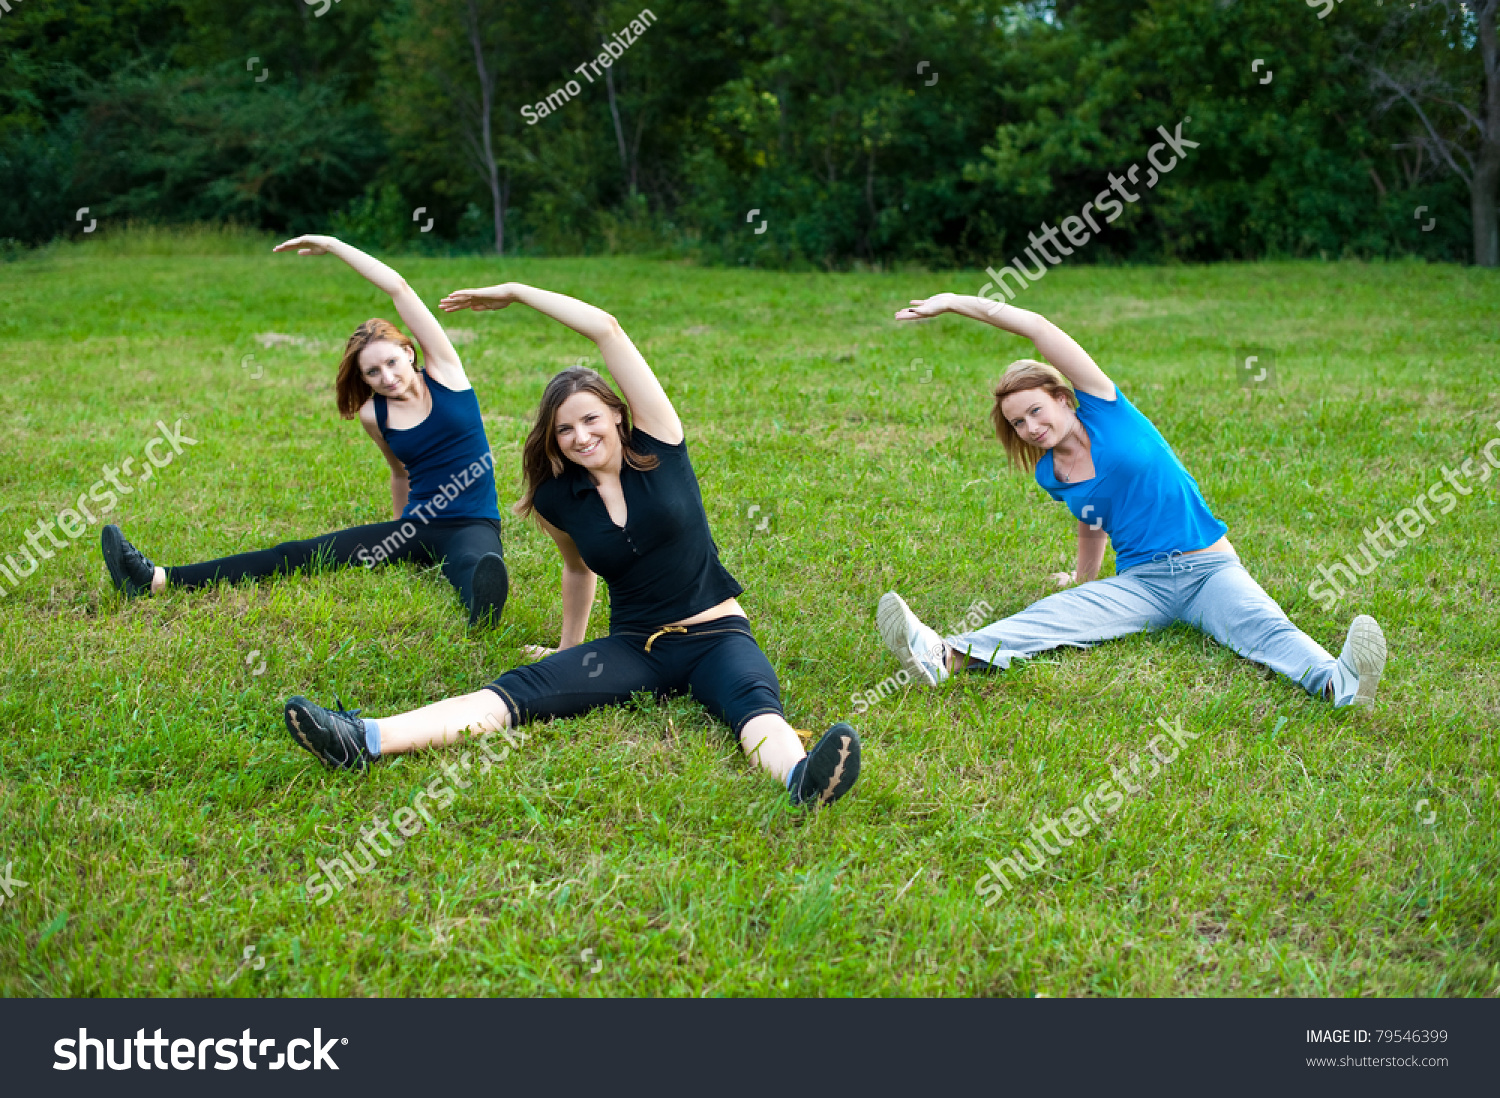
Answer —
(380, 412)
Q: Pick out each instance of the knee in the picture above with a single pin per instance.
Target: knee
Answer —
(496, 711)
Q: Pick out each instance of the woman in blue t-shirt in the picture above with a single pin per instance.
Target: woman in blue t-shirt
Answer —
(425, 421)
(621, 501)
(1091, 449)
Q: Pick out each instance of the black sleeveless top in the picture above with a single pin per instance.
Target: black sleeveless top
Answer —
(447, 456)
(662, 565)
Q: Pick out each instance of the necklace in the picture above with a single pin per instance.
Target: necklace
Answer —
(1067, 478)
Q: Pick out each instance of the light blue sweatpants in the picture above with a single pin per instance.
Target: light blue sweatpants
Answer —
(1211, 591)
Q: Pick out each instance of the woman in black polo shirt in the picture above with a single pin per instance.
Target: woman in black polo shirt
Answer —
(621, 502)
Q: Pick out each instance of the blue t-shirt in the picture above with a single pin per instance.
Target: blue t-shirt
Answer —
(1140, 494)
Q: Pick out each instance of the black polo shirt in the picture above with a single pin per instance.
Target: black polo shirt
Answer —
(663, 565)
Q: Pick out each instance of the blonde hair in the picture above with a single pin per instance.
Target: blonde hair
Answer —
(1019, 376)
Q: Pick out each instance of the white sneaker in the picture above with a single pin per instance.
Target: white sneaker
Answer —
(1363, 658)
(918, 647)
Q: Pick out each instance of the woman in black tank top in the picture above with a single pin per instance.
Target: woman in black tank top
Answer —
(621, 502)
(426, 423)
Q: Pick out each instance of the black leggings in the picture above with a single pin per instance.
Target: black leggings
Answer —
(458, 543)
(716, 662)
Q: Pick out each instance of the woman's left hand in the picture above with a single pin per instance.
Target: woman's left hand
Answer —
(925, 310)
(492, 297)
(1062, 579)
(306, 245)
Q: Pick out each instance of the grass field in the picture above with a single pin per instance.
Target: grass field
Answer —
(165, 825)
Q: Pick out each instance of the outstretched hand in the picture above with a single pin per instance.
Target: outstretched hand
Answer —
(925, 310)
(306, 245)
(492, 297)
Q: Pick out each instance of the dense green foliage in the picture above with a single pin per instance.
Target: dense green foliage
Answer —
(874, 131)
(165, 824)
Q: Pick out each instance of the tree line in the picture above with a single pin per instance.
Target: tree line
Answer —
(787, 133)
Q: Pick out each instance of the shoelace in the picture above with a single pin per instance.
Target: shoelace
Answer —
(341, 711)
(353, 715)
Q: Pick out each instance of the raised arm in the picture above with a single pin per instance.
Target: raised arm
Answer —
(650, 407)
(578, 585)
(438, 355)
(1054, 344)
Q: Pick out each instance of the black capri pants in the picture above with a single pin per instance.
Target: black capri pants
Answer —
(716, 662)
(458, 543)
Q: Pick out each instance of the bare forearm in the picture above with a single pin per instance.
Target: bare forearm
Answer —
(587, 320)
(384, 277)
(399, 488)
(1090, 557)
(578, 600)
(1047, 336)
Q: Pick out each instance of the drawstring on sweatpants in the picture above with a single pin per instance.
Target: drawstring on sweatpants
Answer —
(1173, 565)
(667, 629)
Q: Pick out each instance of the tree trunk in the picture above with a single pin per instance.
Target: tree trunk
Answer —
(1483, 195)
(1484, 191)
(614, 112)
(486, 115)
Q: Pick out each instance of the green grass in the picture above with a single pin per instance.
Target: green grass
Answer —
(165, 823)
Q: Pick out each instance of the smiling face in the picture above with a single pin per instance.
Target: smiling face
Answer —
(587, 432)
(1039, 418)
(388, 368)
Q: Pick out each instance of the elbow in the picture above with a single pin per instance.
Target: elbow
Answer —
(609, 329)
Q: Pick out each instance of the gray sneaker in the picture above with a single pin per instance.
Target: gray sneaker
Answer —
(917, 646)
(1363, 658)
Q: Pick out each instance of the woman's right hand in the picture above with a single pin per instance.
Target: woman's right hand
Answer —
(1062, 579)
(491, 297)
(537, 652)
(931, 307)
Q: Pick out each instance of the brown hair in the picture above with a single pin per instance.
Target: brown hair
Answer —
(350, 386)
(542, 459)
(1023, 374)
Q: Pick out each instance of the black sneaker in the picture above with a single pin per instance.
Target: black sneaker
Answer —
(131, 572)
(337, 736)
(829, 770)
(491, 585)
